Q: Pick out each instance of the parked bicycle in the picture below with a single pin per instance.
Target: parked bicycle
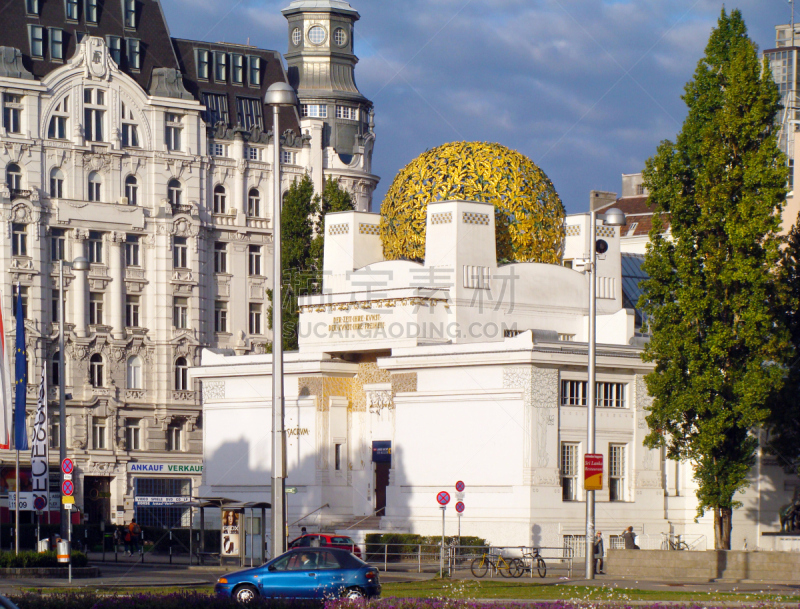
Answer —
(530, 560)
(673, 542)
(481, 565)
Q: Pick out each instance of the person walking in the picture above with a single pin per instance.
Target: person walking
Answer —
(599, 551)
(117, 538)
(136, 531)
(629, 537)
(126, 537)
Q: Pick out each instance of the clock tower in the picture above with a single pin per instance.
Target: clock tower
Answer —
(321, 63)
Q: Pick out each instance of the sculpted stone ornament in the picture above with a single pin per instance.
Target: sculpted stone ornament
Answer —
(11, 64)
(168, 82)
(92, 55)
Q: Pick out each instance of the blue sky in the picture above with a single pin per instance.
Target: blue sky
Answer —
(585, 88)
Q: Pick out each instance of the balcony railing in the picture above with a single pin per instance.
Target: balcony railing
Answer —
(17, 193)
(183, 396)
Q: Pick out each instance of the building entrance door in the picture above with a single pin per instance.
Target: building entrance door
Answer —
(97, 499)
(381, 482)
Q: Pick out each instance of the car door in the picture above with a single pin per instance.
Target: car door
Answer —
(289, 577)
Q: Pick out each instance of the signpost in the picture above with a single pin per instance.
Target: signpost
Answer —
(593, 472)
(443, 498)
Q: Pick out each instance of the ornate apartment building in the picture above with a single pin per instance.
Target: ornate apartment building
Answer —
(150, 156)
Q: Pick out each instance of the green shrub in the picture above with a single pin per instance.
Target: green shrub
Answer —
(400, 546)
(31, 560)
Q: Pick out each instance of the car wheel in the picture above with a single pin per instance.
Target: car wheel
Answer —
(352, 593)
(245, 594)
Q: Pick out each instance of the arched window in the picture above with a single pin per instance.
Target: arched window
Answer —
(132, 190)
(135, 372)
(254, 203)
(220, 198)
(94, 186)
(181, 374)
(96, 370)
(56, 183)
(175, 192)
(14, 176)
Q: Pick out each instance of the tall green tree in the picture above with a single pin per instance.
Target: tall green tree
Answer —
(302, 246)
(718, 340)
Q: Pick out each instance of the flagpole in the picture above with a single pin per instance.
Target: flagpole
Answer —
(16, 510)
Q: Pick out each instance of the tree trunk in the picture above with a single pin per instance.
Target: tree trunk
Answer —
(722, 528)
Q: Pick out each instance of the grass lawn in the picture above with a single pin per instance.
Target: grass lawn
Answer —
(470, 589)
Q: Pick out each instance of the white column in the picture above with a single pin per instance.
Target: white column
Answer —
(117, 292)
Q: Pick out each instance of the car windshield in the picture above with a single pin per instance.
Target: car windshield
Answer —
(342, 541)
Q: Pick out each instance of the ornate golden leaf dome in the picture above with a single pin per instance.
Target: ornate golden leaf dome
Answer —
(529, 215)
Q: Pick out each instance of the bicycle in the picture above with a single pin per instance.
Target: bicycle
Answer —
(673, 543)
(480, 565)
(526, 563)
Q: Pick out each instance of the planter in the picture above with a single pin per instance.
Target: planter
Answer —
(49, 573)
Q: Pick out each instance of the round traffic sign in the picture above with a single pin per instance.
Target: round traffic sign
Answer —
(67, 466)
(460, 486)
(39, 503)
(443, 498)
(460, 507)
(67, 488)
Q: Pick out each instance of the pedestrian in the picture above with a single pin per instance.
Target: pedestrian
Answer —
(117, 538)
(630, 539)
(599, 551)
(126, 536)
(135, 532)
(303, 531)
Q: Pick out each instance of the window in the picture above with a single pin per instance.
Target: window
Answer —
(98, 431)
(255, 260)
(255, 70)
(95, 308)
(32, 7)
(56, 184)
(132, 314)
(134, 54)
(220, 316)
(220, 257)
(609, 395)
(12, 113)
(94, 186)
(91, 11)
(174, 127)
(181, 374)
(134, 372)
(114, 44)
(129, 8)
(55, 429)
(56, 44)
(130, 132)
(14, 176)
(175, 437)
(93, 114)
(616, 472)
(174, 192)
(96, 370)
(297, 36)
(316, 35)
(72, 10)
(180, 253)
(254, 154)
(54, 371)
(569, 471)
(133, 431)
(216, 108)
(132, 250)
(58, 244)
(203, 59)
(237, 69)
(314, 110)
(337, 457)
(221, 67)
(132, 190)
(248, 112)
(288, 157)
(95, 247)
(19, 239)
(347, 112)
(180, 312)
(220, 198)
(57, 130)
(54, 306)
(254, 203)
(255, 318)
(217, 149)
(339, 36)
(36, 33)
(22, 293)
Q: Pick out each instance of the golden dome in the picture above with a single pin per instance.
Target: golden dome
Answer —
(529, 215)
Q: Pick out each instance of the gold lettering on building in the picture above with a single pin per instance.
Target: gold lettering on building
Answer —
(347, 323)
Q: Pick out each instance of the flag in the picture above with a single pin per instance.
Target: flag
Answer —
(5, 387)
(21, 380)
(39, 453)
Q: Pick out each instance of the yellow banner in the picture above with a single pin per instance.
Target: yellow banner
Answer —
(593, 483)
(67, 499)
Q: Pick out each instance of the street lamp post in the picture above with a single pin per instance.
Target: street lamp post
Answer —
(79, 264)
(613, 217)
(278, 95)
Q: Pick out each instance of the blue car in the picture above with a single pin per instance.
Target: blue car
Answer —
(304, 573)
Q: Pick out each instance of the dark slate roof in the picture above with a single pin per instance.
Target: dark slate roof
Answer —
(632, 275)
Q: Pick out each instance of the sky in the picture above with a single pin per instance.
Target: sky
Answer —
(584, 88)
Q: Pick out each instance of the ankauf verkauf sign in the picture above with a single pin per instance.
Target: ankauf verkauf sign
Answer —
(164, 468)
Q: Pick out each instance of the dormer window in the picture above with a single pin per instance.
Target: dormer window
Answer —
(203, 61)
(72, 10)
(32, 7)
(129, 17)
(248, 112)
(316, 35)
(92, 11)
(255, 70)
(237, 74)
(114, 44)
(57, 130)
(134, 54)
(56, 44)
(347, 113)
(314, 110)
(221, 67)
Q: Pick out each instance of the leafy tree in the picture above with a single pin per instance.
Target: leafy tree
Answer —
(302, 215)
(718, 342)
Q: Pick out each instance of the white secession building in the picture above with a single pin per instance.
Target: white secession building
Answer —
(467, 371)
(149, 156)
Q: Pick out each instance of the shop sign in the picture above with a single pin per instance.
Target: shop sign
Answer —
(593, 472)
(382, 451)
(161, 501)
(164, 468)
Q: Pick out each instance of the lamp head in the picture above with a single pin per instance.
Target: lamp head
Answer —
(280, 94)
(80, 264)
(614, 217)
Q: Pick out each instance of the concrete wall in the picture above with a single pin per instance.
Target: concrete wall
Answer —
(711, 565)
